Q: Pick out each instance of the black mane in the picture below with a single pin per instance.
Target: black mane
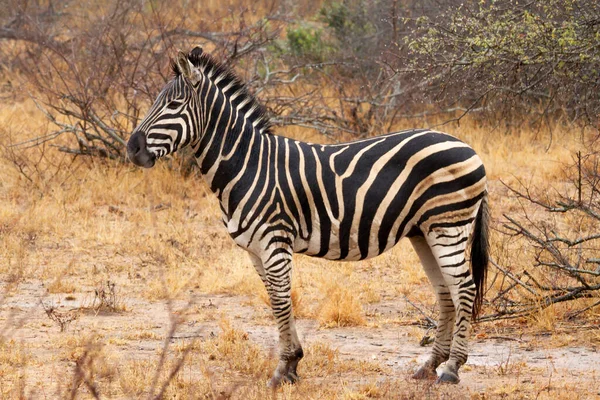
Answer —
(209, 66)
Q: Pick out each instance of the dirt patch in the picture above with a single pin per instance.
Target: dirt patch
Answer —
(388, 352)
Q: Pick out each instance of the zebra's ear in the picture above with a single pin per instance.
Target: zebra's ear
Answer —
(183, 64)
(187, 69)
(196, 52)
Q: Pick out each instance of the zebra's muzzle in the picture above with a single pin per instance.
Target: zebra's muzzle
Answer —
(137, 151)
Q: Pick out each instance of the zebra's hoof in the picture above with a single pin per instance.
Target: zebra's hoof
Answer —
(448, 377)
(425, 373)
(276, 381)
(291, 378)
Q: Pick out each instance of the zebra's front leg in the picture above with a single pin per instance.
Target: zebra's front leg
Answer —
(276, 274)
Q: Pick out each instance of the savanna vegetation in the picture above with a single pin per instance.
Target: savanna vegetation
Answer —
(121, 283)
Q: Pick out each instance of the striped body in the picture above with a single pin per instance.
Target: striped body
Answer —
(346, 201)
(354, 200)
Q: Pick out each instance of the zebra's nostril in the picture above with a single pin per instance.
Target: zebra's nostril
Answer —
(137, 151)
(137, 141)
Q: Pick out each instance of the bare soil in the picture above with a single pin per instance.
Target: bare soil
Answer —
(502, 362)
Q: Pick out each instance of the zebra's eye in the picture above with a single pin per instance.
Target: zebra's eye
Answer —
(174, 105)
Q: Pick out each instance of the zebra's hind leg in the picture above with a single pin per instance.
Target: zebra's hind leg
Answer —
(448, 246)
(443, 336)
(276, 274)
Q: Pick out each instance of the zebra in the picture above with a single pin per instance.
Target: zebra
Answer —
(347, 201)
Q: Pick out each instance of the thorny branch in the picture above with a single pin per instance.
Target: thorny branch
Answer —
(566, 250)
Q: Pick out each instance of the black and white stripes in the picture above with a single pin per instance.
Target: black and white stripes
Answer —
(347, 201)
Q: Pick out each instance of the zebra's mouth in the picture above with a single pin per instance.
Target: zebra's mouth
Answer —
(138, 152)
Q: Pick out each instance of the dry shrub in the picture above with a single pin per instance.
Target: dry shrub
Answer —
(555, 231)
(60, 285)
(108, 298)
(340, 307)
(364, 392)
(93, 99)
(62, 318)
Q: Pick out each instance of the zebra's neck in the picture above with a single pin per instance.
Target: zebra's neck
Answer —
(234, 126)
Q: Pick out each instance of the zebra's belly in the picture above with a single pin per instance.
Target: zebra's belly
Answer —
(334, 253)
(342, 247)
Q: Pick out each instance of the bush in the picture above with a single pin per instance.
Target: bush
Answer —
(564, 241)
(94, 69)
(351, 24)
(306, 43)
(513, 59)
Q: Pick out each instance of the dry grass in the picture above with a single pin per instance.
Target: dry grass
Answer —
(340, 306)
(157, 236)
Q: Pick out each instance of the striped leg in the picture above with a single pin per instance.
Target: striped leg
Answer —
(275, 270)
(448, 247)
(443, 336)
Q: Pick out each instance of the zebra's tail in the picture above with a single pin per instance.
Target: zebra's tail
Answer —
(480, 254)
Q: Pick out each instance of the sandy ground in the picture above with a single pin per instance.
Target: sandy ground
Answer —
(510, 358)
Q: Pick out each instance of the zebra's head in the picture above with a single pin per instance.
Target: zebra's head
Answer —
(171, 122)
